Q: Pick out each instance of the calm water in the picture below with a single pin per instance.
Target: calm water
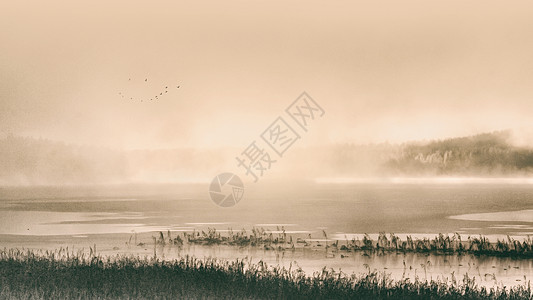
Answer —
(78, 216)
(340, 209)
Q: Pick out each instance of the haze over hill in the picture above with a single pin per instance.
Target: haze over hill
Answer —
(191, 95)
(29, 161)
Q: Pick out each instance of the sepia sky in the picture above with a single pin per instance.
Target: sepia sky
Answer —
(382, 70)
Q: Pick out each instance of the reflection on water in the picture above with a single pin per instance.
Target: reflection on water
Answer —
(208, 224)
(501, 216)
(274, 225)
(69, 223)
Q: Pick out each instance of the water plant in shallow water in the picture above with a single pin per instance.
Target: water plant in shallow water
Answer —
(280, 240)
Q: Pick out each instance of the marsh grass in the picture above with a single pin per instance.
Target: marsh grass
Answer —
(441, 244)
(77, 275)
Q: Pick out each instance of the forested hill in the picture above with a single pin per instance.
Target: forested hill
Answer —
(484, 154)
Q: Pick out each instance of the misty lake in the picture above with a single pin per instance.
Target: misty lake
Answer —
(50, 217)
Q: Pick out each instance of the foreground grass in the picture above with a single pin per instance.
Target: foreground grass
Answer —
(64, 275)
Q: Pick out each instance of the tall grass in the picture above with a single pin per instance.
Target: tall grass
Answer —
(67, 275)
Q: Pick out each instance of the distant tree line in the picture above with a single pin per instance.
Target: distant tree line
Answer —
(488, 153)
(30, 161)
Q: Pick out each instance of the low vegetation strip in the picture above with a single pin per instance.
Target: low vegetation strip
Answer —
(279, 240)
(67, 275)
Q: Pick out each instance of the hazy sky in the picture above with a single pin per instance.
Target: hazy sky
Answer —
(382, 70)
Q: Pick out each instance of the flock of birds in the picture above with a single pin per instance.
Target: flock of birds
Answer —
(149, 98)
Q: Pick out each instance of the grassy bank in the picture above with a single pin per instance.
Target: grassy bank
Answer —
(66, 275)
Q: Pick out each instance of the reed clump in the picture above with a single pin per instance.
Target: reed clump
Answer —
(280, 240)
(242, 238)
(443, 244)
